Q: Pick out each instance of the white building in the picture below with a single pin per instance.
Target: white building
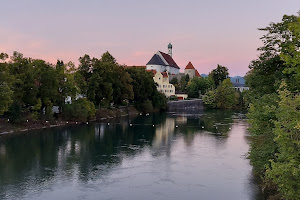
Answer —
(162, 62)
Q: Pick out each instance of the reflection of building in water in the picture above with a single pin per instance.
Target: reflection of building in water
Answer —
(181, 120)
(99, 131)
(2, 150)
(164, 133)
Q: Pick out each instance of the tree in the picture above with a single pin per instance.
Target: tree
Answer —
(209, 99)
(142, 81)
(184, 82)
(199, 86)
(285, 167)
(226, 96)
(5, 88)
(274, 109)
(219, 74)
(108, 58)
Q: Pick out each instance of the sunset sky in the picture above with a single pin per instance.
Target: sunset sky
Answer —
(206, 33)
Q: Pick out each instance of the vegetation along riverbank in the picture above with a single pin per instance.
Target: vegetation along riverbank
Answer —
(32, 90)
(274, 113)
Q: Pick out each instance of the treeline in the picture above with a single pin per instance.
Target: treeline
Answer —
(29, 88)
(274, 113)
(216, 90)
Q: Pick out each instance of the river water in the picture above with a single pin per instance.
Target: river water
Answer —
(180, 157)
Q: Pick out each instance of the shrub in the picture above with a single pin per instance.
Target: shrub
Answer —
(81, 110)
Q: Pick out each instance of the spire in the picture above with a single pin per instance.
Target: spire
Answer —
(170, 49)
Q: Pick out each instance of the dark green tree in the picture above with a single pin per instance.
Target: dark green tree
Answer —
(219, 74)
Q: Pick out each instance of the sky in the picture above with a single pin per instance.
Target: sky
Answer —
(205, 32)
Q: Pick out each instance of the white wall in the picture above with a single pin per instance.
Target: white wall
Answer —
(158, 68)
(190, 72)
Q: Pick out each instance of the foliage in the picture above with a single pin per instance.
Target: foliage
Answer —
(81, 110)
(274, 81)
(219, 74)
(285, 168)
(174, 81)
(209, 99)
(226, 96)
(5, 88)
(103, 81)
(146, 106)
(184, 82)
(262, 114)
(198, 86)
(142, 81)
(159, 100)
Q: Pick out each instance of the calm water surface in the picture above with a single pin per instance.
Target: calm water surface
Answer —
(203, 158)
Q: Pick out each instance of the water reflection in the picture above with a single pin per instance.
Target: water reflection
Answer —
(181, 153)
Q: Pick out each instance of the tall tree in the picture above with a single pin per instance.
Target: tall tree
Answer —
(219, 74)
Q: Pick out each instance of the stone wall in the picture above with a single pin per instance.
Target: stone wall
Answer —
(195, 105)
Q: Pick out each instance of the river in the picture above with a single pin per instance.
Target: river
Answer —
(159, 156)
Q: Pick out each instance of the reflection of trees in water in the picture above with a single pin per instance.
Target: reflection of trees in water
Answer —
(89, 151)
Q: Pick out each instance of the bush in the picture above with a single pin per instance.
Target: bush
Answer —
(159, 100)
(81, 110)
(209, 99)
(146, 106)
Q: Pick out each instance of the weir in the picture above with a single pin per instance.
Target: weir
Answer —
(194, 105)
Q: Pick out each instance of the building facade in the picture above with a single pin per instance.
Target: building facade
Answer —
(163, 84)
(162, 62)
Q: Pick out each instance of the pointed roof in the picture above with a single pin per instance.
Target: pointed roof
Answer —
(169, 60)
(156, 60)
(189, 66)
(197, 74)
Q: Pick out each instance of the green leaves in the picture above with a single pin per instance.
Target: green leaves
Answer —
(274, 112)
(219, 74)
(285, 168)
(224, 96)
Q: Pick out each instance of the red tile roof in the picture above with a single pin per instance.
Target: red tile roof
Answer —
(189, 66)
(169, 60)
(152, 70)
(165, 74)
(197, 74)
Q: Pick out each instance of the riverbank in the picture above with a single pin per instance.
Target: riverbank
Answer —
(7, 127)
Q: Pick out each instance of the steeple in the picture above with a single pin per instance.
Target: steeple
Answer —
(170, 49)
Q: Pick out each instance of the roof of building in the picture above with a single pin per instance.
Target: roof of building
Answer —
(165, 74)
(156, 60)
(152, 70)
(189, 66)
(197, 74)
(169, 60)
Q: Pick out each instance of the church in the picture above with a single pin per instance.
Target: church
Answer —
(162, 62)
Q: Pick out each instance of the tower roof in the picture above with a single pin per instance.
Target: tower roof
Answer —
(189, 66)
(169, 46)
(197, 74)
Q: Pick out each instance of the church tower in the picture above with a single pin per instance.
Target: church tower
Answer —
(170, 49)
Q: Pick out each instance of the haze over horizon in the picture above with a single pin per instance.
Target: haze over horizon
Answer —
(205, 33)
